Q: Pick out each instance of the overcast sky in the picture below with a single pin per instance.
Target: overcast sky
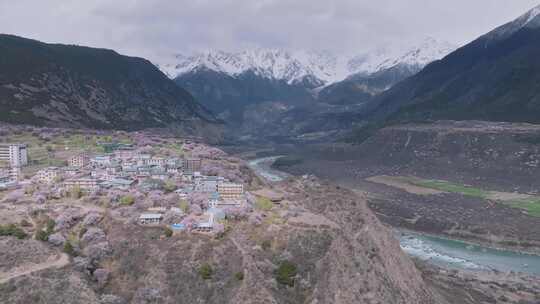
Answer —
(151, 28)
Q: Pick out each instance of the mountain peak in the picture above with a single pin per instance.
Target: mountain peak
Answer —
(297, 66)
(530, 19)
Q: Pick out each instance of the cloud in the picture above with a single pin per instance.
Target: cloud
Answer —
(152, 28)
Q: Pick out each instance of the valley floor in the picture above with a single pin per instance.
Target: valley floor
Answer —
(469, 181)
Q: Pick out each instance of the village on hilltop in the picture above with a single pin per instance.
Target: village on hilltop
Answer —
(182, 198)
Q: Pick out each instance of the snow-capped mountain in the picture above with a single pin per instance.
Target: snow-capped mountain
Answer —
(296, 66)
(416, 56)
(530, 19)
(269, 63)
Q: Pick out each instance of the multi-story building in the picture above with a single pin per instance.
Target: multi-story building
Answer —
(101, 161)
(174, 169)
(15, 154)
(16, 173)
(87, 184)
(5, 175)
(142, 159)
(71, 171)
(156, 161)
(48, 175)
(124, 154)
(150, 218)
(192, 165)
(208, 184)
(80, 160)
(158, 173)
(228, 191)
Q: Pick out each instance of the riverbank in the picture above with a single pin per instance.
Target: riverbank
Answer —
(455, 254)
(432, 246)
(465, 278)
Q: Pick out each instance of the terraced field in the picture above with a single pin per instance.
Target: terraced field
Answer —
(528, 203)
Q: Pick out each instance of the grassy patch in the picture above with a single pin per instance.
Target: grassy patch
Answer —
(451, 187)
(12, 230)
(531, 206)
(127, 200)
(264, 204)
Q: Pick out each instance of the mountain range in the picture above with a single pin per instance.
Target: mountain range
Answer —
(74, 86)
(293, 67)
(228, 82)
(496, 77)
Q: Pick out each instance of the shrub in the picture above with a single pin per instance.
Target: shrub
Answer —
(25, 223)
(169, 187)
(50, 226)
(266, 244)
(285, 273)
(12, 230)
(82, 231)
(168, 231)
(29, 189)
(75, 192)
(42, 235)
(205, 271)
(127, 200)
(68, 248)
(184, 206)
(239, 276)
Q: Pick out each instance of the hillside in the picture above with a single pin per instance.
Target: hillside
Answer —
(493, 78)
(74, 86)
(229, 96)
(362, 88)
(300, 250)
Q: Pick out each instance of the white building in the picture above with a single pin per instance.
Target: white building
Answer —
(230, 191)
(124, 154)
(150, 218)
(71, 171)
(80, 160)
(48, 175)
(15, 154)
(156, 161)
(192, 164)
(208, 184)
(16, 173)
(142, 159)
(87, 184)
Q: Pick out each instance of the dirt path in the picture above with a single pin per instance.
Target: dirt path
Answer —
(401, 183)
(58, 261)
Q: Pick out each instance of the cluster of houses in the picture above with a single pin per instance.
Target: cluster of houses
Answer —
(125, 168)
(222, 195)
(121, 169)
(204, 223)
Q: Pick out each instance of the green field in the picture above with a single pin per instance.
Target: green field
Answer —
(530, 205)
(263, 204)
(451, 187)
(55, 151)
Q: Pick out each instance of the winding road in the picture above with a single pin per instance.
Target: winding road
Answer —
(57, 261)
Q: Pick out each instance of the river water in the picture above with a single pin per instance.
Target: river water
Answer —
(460, 255)
(263, 167)
(437, 250)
